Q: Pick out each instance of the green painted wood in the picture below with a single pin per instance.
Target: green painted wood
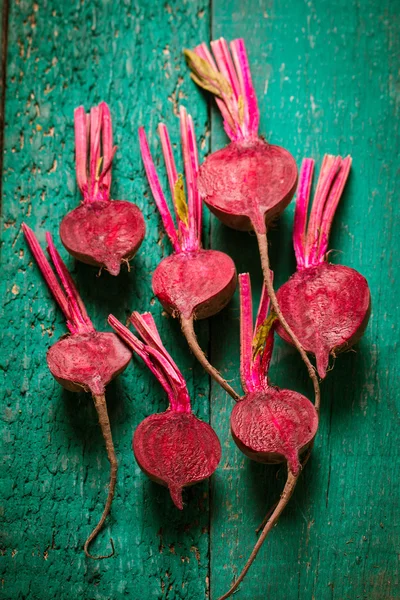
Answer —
(325, 75)
(3, 58)
(326, 81)
(61, 54)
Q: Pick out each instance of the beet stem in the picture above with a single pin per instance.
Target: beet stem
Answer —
(157, 191)
(93, 136)
(68, 299)
(285, 497)
(230, 81)
(310, 240)
(190, 335)
(78, 310)
(155, 357)
(101, 408)
(262, 239)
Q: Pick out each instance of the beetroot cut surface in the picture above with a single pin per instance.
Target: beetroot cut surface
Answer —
(327, 305)
(250, 182)
(268, 424)
(85, 360)
(173, 448)
(100, 232)
(192, 283)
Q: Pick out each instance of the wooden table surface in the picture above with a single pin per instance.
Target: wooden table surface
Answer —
(326, 75)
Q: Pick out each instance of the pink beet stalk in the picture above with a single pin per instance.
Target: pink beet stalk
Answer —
(192, 283)
(250, 182)
(237, 101)
(173, 448)
(100, 232)
(85, 360)
(268, 424)
(328, 306)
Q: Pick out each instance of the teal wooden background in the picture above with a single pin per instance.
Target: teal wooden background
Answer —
(326, 76)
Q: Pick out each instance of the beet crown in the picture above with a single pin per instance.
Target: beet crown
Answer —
(100, 232)
(173, 448)
(192, 282)
(327, 305)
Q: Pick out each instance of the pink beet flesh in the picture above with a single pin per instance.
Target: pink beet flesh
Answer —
(173, 448)
(88, 361)
(197, 283)
(273, 425)
(177, 450)
(248, 183)
(103, 233)
(328, 308)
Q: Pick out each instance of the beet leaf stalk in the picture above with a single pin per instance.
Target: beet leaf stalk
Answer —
(173, 448)
(327, 305)
(249, 182)
(192, 283)
(84, 360)
(101, 231)
(268, 424)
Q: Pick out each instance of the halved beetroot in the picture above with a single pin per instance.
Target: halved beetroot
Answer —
(328, 306)
(84, 360)
(248, 183)
(192, 283)
(198, 284)
(177, 450)
(274, 425)
(173, 448)
(88, 361)
(100, 232)
(268, 424)
(103, 234)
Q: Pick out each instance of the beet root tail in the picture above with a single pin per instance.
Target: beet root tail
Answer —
(101, 408)
(190, 335)
(176, 495)
(322, 360)
(285, 497)
(113, 267)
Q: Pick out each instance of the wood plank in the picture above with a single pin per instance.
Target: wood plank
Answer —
(4, 6)
(62, 54)
(325, 78)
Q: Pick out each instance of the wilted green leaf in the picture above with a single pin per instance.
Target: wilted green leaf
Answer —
(261, 334)
(180, 200)
(206, 77)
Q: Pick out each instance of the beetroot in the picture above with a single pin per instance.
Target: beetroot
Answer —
(99, 232)
(85, 360)
(268, 424)
(173, 448)
(250, 182)
(326, 305)
(192, 283)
